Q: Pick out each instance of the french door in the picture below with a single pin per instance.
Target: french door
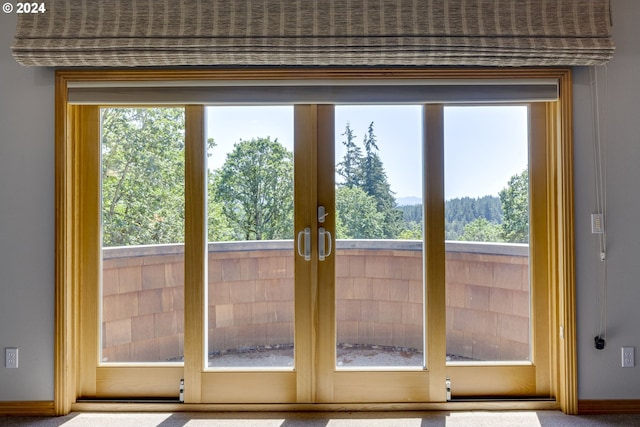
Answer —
(369, 342)
(308, 324)
(286, 275)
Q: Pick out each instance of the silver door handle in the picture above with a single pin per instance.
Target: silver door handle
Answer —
(321, 243)
(306, 234)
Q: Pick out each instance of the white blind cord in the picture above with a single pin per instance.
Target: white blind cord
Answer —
(599, 127)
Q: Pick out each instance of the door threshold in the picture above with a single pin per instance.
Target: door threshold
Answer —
(501, 399)
(134, 400)
(131, 405)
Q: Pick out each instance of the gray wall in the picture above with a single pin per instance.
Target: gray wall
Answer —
(599, 372)
(26, 223)
(27, 220)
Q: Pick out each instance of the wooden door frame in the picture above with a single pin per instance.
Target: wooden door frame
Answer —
(68, 178)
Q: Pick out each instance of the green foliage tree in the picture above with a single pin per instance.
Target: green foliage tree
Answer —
(254, 187)
(251, 195)
(412, 231)
(515, 206)
(481, 230)
(218, 227)
(142, 176)
(356, 215)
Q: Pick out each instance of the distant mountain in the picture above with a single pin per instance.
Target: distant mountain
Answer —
(408, 201)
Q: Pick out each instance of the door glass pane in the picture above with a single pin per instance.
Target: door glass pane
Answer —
(487, 233)
(379, 257)
(142, 197)
(250, 232)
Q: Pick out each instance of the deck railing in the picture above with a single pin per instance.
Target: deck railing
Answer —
(379, 293)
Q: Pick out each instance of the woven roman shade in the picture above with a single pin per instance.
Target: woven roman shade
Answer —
(168, 33)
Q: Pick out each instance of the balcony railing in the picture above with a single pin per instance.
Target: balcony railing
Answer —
(379, 293)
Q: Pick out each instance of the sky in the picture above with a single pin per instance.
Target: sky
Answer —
(484, 145)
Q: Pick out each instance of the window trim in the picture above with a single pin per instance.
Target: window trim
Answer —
(559, 159)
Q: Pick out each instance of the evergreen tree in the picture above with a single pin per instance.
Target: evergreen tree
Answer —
(371, 168)
(411, 213)
(367, 173)
(349, 167)
(461, 211)
(374, 183)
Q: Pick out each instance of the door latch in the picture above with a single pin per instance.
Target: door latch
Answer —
(322, 214)
(448, 385)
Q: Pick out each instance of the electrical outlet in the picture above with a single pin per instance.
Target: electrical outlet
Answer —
(11, 357)
(628, 357)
